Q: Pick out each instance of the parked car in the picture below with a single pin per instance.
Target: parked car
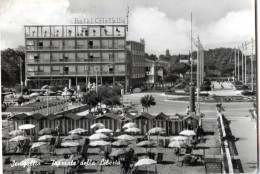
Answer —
(133, 112)
(117, 110)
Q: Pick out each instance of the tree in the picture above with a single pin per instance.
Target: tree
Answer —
(151, 57)
(91, 99)
(171, 78)
(147, 101)
(10, 66)
(179, 68)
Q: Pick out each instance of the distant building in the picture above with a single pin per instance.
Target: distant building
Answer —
(154, 70)
(135, 54)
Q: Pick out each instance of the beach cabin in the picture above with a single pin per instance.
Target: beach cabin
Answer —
(111, 121)
(144, 122)
(191, 122)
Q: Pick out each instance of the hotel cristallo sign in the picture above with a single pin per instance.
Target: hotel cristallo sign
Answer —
(118, 20)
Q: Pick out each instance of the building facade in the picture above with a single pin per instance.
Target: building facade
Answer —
(135, 53)
(76, 54)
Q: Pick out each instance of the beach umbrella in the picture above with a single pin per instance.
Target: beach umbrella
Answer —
(97, 136)
(45, 138)
(38, 144)
(146, 144)
(126, 137)
(97, 125)
(77, 131)
(26, 126)
(47, 131)
(179, 138)
(34, 94)
(16, 132)
(119, 143)
(104, 130)
(145, 162)
(69, 144)
(117, 152)
(156, 130)
(129, 125)
(133, 130)
(31, 162)
(73, 137)
(18, 138)
(177, 144)
(99, 143)
(187, 133)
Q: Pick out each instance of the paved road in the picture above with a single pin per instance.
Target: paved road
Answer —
(227, 90)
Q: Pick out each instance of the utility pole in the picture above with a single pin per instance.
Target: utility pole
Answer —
(242, 64)
(238, 66)
(199, 68)
(21, 75)
(245, 62)
(252, 67)
(235, 74)
(192, 91)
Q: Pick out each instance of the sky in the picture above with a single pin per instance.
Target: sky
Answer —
(164, 24)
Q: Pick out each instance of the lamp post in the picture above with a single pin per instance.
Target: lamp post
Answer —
(21, 75)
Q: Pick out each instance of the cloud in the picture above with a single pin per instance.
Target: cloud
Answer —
(158, 27)
(161, 33)
(22, 12)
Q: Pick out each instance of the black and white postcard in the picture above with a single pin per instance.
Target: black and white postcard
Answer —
(128, 86)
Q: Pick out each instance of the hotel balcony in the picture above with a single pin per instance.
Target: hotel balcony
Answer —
(77, 73)
(77, 61)
(68, 48)
(68, 34)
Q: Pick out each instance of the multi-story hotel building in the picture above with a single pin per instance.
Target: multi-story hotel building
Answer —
(79, 53)
(135, 53)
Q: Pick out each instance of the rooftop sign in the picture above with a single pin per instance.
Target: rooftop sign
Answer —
(100, 20)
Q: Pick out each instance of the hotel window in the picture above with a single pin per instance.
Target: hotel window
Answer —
(55, 68)
(40, 68)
